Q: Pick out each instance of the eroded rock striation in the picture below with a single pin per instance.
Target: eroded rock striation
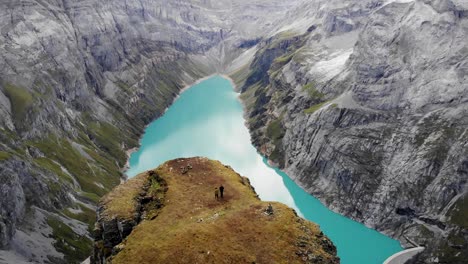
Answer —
(366, 108)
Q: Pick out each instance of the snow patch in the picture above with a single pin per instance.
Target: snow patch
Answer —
(72, 197)
(300, 26)
(99, 185)
(386, 3)
(74, 210)
(245, 58)
(397, 1)
(330, 68)
(81, 149)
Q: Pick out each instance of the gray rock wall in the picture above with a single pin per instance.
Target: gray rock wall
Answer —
(371, 117)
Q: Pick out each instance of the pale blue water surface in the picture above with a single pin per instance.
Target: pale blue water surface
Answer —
(207, 120)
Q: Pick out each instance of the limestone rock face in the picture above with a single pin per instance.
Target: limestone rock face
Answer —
(369, 114)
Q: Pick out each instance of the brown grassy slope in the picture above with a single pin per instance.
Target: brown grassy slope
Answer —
(193, 227)
(121, 201)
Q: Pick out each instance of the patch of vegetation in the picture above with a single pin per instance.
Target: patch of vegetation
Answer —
(248, 96)
(86, 215)
(42, 90)
(282, 36)
(459, 213)
(425, 232)
(278, 154)
(94, 198)
(4, 155)
(283, 59)
(55, 188)
(7, 134)
(277, 52)
(312, 92)
(83, 170)
(314, 108)
(278, 64)
(155, 186)
(275, 132)
(456, 238)
(196, 70)
(109, 165)
(240, 76)
(301, 55)
(76, 248)
(21, 100)
(121, 202)
(275, 74)
(54, 168)
(124, 86)
(109, 138)
(454, 249)
(10, 147)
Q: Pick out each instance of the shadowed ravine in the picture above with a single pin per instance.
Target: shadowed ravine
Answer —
(207, 120)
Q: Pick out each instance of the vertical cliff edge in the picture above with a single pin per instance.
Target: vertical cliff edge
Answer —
(364, 105)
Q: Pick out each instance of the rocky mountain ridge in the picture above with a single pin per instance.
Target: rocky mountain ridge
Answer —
(170, 215)
(361, 102)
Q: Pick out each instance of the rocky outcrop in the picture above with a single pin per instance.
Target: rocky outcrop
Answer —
(369, 115)
(193, 226)
(120, 211)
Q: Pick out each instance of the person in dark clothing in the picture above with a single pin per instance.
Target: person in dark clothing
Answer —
(221, 191)
(269, 210)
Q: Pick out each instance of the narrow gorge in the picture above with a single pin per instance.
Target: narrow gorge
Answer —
(362, 103)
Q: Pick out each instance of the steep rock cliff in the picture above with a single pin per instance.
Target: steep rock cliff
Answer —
(368, 113)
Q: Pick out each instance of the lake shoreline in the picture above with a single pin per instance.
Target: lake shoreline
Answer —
(130, 151)
(210, 121)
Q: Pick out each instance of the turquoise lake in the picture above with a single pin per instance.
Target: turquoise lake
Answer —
(207, 120)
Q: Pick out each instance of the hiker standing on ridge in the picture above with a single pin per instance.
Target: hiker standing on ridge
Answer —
(216, 193)
(221, 190)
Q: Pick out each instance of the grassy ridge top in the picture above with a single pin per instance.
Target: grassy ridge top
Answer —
(194, 227)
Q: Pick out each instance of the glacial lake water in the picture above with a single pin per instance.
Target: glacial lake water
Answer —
(207, 120)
